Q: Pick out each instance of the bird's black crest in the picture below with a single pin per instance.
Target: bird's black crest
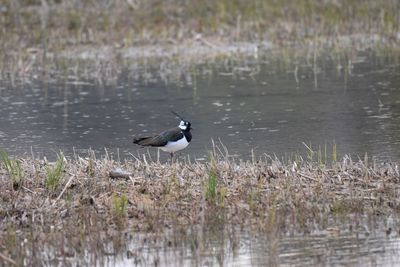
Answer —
(176, 114)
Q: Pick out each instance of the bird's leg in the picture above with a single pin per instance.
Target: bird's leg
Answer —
(172, 158)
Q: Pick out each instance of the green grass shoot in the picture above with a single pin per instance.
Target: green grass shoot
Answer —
(13, 168)
(211, 187)
(55, 174)
(120, 204)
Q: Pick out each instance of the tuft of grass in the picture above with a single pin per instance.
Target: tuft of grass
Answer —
(320, 156)
(345, 206)
(55, 174)
(120, 203)
(214, 193)
(310, 151)
(334, 153)
(90, 168)
(13, 168)
(211, 187)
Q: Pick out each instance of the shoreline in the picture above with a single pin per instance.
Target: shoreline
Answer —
(104, 64)
(45, 38)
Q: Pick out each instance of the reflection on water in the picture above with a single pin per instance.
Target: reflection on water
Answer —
(310, 250)
(349, 240)
(270, 106)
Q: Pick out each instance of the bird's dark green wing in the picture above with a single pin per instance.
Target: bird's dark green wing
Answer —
(173, 134)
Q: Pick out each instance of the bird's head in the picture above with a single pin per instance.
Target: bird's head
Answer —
(185, 125)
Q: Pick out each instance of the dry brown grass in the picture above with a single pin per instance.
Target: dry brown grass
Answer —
(264, 195)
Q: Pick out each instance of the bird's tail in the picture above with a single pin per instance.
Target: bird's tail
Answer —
(142, 141)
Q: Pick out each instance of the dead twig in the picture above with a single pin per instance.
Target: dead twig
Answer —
(7, 259)
(65, 188)
(308, 177)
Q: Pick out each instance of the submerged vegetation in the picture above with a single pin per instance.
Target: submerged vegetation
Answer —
(96, 202)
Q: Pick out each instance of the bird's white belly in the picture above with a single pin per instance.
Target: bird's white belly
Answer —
(172, 147)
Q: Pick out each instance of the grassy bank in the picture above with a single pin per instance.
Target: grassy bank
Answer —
(59, 24)
(99, 202)
(41, 38)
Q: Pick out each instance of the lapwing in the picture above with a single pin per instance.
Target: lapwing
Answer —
(171, 140)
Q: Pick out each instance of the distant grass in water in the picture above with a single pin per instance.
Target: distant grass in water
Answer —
(13, 168)
(54, 174)
(130, 22)
(54, 26)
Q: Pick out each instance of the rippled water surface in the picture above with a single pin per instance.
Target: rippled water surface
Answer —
(270, 106)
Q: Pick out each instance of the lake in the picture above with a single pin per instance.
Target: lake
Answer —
(270, 106)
